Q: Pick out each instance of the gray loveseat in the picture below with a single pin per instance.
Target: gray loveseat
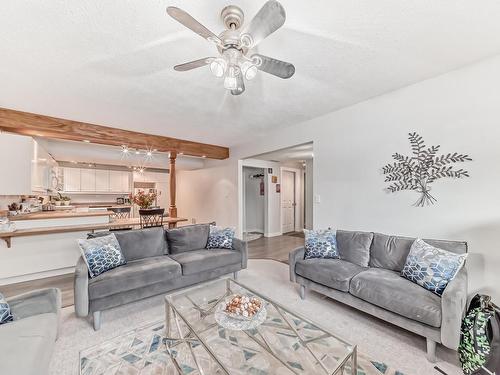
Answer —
(158, 261)
(367, 277)
(27, 343)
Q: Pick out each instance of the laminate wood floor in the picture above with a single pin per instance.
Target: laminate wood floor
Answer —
(276, 248)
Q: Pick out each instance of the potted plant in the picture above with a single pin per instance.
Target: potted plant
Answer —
(143, 200)
(57, 201)
(66, 200)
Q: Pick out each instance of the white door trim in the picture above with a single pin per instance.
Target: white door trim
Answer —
(298, 198)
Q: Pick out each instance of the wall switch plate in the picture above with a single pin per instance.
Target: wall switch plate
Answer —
(317, 198)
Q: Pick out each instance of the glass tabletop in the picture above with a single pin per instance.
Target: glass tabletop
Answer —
(284, 343)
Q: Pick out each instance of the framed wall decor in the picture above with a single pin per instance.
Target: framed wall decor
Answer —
(274, 179)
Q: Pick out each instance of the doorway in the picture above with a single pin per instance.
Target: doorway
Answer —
(254, 203)
(288, 201)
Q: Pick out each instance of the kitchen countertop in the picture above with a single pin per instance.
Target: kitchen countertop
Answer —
(44, 215)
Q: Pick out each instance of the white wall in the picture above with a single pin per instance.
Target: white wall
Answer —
(254, 202)
(209, 194)
(309, 194)
(459, 110)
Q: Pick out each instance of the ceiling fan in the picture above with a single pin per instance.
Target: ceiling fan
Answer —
(236, 61)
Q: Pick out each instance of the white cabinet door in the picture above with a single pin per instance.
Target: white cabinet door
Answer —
(101, 180)
(15, 164)
(71, 179)
(125, 182)
(115, 181)
(87, 180)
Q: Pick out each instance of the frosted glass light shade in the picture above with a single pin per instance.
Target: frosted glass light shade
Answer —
(218, 67)
(230, 81)
(249, 70)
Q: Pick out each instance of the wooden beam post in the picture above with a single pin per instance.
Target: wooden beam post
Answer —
(173, 208)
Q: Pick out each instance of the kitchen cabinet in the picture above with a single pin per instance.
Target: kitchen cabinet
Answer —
(71, 179)
(102, 180)
(119, 181)
(84, 180)
(26, 167)
(87, 180)
(15, 162)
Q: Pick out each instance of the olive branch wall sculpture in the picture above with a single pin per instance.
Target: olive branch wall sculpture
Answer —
(418, 171)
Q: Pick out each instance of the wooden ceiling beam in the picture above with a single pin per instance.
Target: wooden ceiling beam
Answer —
(51, 127)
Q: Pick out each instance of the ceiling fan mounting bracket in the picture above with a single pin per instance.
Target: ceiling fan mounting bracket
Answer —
(233, 17)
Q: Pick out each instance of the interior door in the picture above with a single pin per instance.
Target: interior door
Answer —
(288, 201)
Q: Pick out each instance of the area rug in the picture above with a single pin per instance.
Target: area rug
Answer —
(388, 346)
(145, 350)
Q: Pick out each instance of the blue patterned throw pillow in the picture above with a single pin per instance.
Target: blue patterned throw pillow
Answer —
(101, 254)
(321, 244)
(5, 315)
(430, 267)
(220, 238)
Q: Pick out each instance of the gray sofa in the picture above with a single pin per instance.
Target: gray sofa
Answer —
(158, 261)
(367, 277)
(27, 343)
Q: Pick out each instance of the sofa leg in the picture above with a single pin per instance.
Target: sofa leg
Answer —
(302, 292)
(431, 351)
(97, 320)
(235, 275)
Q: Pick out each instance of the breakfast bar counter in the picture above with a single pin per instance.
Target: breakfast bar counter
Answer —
(48, 247)
(169, 222)
(42, 215)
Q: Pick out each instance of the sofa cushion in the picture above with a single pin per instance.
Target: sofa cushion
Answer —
(333, 273)
(190, 237)
(136, 274)
(204, 260)
(387, 289)
(354, 247)
(27, 344)
(142, 243)
(390, 252)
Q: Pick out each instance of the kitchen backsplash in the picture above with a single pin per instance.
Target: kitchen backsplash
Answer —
(95, 198)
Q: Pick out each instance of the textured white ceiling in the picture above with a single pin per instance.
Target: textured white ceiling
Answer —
(110, 62)
(297, 153)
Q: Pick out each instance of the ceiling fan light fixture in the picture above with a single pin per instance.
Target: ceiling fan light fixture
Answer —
(230, 81)
(218, 67)
(249, 70)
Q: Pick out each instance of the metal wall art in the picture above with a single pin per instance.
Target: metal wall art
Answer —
(420, 170)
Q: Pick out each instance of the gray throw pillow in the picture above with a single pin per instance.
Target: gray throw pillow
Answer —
(220, 238)
(354, 246)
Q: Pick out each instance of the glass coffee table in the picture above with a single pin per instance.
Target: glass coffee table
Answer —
(285, 342)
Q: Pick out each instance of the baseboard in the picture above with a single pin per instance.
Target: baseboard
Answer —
(36, 276)
(273, 234)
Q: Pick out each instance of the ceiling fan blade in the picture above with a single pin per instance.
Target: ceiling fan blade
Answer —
(184, 18)
(275, 67)
(241, 85)
(193, 64)
(267, 20)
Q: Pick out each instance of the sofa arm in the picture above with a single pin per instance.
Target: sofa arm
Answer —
(242, 247)
(81, 288)
(293, 257)
(453, 304)
(36, 302)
